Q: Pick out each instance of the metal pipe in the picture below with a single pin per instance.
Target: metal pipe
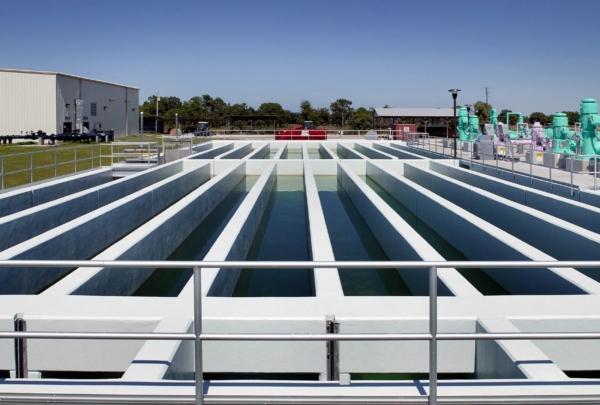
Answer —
(197, 333)
(20, 348)
(297, 337)
(433, 332)
(301, 264)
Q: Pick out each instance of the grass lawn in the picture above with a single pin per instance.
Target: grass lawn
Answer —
(16, 159)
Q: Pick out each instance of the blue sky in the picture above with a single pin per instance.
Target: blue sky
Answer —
(534, 55)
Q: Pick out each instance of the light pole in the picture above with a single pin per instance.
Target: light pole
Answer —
(454, 93)
(142, 124)
(156, 118)
(176, 123)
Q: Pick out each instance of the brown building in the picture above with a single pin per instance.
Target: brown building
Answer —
(435, 121)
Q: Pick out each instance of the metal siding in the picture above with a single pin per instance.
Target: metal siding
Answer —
(27, 103)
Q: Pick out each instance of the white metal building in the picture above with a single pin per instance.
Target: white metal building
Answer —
(57, 102)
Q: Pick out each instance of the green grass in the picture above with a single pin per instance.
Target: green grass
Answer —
(16, 158)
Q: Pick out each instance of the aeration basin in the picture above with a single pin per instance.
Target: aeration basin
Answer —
(301, 201)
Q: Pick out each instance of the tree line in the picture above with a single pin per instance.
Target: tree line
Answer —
(483, 112)
(217, 112)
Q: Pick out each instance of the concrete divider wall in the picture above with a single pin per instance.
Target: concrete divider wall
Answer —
(85, 236)
(418, 151)
(22, 198)
(325, 152)
(578, 213)
(20, 226)
(400, 154)
(556, 237)
(557, 188)
(260, 152)
(370, 152)
(345, 152)
(472, 236)
(590, 197)
(238, 153)
(405, 357)
(235, 240)
(158, 238)
(213, 152)
(379, 216)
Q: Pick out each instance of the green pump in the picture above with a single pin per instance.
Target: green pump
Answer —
(590, 121)
(494, 117)
(562, 137)
(468, 125)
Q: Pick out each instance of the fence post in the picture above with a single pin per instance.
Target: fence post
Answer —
(197, 332)
(2, 168)
(20, 348)
(31, 167)
(433, 332)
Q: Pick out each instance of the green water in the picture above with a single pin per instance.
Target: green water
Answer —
(293, 154)
(169, 283)
(283, 234)
(480, 280)
(352, 239)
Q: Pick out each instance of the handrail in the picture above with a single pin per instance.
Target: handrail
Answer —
(199, 337)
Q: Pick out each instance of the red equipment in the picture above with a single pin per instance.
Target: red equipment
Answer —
(307, 132)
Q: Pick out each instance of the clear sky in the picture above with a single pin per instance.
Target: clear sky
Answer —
(534, 55)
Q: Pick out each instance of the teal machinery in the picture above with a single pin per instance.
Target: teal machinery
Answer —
(468, 125)
(586, 140)
(521, 132)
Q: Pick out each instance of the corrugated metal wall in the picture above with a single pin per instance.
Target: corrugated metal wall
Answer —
(27, 103)
(117, 107)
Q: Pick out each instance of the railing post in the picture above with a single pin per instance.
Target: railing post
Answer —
(433, 332)
(2, 169)
(75, 160)
(198, 332)
(55, 159)
(20, 348)
(31, 167)
(572, 189)
(595, 171)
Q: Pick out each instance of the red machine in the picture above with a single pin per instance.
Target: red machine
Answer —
(400, 130)
(306, 132)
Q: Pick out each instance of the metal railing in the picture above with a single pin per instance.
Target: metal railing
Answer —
(523, 154)
(198, 336)
(385, 133)
(22, 168)
(134, 152)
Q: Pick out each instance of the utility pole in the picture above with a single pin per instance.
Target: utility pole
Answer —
(486, 95)
(156, 118)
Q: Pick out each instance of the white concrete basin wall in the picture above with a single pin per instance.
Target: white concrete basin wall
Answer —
(474, 237)
(79, 355)
(561, 239)
(202, 147)
(24, 197)
(511, 358)
(213, 152)
(405, 357)
(327, 281)
(325, 151)
(154, 240)
(239, 152)
(416, 151)
(397, 238)
(400, 154)
(280, 152)
(82, 237)
(235, 240)
(555, 187)
(590, 197)
(26, 224)
(345, 152)
(371, 153)
(260, 151)
(569, 355)
(569, 210)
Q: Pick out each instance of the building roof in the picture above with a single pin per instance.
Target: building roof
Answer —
(414, 112)
(43, 72)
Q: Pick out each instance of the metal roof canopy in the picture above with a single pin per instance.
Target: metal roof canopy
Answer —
(43, 72)
(413, 112)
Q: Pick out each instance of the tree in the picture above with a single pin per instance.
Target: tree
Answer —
(502, 117)
(483, 111)
(341, 111)
(539, 117)
(306, 110)
(573, 116)
(362, 119)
